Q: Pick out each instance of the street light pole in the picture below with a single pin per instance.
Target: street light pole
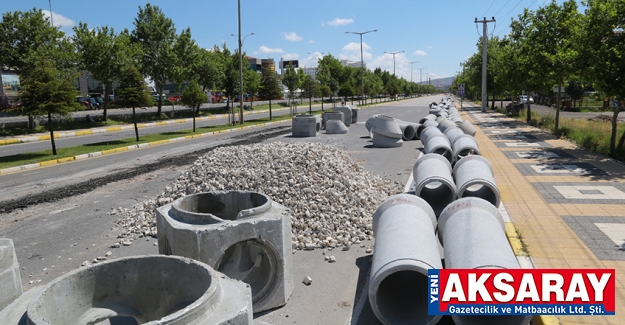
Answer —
(51, 20)
(420, 75)
(362, 64)
(411, 62)
(393, 53)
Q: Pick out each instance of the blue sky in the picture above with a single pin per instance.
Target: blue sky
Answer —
(439, 34)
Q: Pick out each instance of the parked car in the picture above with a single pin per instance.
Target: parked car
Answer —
(523, 99)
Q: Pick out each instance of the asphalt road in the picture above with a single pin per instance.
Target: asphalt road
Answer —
(52, 238)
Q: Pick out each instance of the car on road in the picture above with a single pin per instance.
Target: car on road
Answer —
(523, 99)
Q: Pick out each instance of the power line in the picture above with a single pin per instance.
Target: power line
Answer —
(502, 7)
(488, 8)
(509, 12)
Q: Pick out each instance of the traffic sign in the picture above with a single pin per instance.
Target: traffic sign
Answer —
(461, 92)
(461, 87)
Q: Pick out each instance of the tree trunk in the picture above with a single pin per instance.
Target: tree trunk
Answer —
(134, 120)
(322, 103)
(555, 128)
(160, 101)
(270, 115)
(310, 105)
(192, 109)
(529, 109)
(51, 133)
(621, 142)
(107, 91)
(31, 122)
(613, 134)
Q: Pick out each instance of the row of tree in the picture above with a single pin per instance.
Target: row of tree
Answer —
(555, 46)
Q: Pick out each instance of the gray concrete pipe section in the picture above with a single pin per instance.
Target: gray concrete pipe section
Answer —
(429, 131)
(386, 126)
(445, 124)
(439, 144)
(147, 290)
(416, 127)
(347, 114)
(464, 146)
(453, 133)
(382, 141)
(326, 116)
(433, 181)
(10, 280)
(472, 232)
(336, 127)
(305, 126)
(408, 131)
(369, 122)
(430, 123)
(244, 235)
(467, 128)
(474, 178)
(429, 117)
(405, 249)
(354, 114)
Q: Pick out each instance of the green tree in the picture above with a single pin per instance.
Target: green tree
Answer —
(269, 87)
(47, 83)
(373, 85)
(310, 89)
(133, 92)
(210, 69)
(156, 34)
(291, 81)
(603, 54)
(103, 53)
(251, 79)
(193, 96)
(330, 73)
(325, 91)
(575, 89)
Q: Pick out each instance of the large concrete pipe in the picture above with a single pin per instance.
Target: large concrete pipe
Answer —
(10, 280)
(429, 131)
(439, 144)
(474, 178)
(347, 114)
(453, 133)
(304, 125)
(336, 127)
(332, 116)
(244, 235)
(467, 128)
(433, 180)
(408, 131)
(430, 123)
(369, 122)
(472, 232)
(463, 146)
(386, 126)
(153, 289)
(419, 128)
(429, 117)
(354, 115)
(445, 124)
(405, 249)
(382, 141)
(416, 126)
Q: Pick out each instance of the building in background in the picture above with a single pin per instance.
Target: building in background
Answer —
(10, 86)
(353, 64)
(259, 64)
(311, 71)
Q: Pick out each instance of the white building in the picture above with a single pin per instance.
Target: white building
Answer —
(311, 71)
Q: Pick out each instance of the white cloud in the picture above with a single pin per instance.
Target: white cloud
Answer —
(59, 20)
(351, 52)
(355, 47)
(420, 53)
(293, 37)
(340, 21)
(385, 62)
(312, 60)
(430, 46)
(264, 49)
(290, 56)
(311, 42)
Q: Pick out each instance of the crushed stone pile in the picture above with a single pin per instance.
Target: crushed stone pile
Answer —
(331, 195)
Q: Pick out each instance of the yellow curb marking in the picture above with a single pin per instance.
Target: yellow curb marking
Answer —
(108, 152)
(48, 163)
(10, 141)
(62, 160)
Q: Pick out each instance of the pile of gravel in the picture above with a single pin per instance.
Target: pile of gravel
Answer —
(332, 197)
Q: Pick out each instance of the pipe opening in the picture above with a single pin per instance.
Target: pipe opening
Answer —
(252, 262)
(481, 191)
(200, 209)
(401, 300)
(466, 152)
(443, 152)
(438, 195)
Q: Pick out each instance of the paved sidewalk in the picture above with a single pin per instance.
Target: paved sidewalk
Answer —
(566, 203)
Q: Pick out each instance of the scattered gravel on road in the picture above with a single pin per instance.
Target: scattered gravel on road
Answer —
(331, 196)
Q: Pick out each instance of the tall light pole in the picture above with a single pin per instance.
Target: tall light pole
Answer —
(411, 62)
(51, 20)
(393, 53)
(420, 75)
(240, 70)
(362, 63)
(484, 60)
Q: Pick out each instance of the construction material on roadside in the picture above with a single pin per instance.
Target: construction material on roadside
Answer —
(336, 127)
(467, 128)
(305, 125)
(464, 146)
(434, 182)
(10, 280)
(347, 114)
(386, 132)
(326, 116)
(475, 178)
(405, 249)
(438, 144)
(143, 289)
(407, 129)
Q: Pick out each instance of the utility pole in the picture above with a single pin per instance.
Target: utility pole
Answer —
(240, 71)
(393, 54)
(484, 56)
(362, 66)
(411, 62)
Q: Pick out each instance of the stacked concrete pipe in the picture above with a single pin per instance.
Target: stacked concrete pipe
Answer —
(305, 125)
(438, 144)
(147, 290)
(386, 132)
(467, 128)
(347, 114)
(336, 127)
(429, 117)
(434, 182)
(326, 116)
(475, 178)
(445, 124)
(429, 131)
(416, 126)
(244, 235)
(463, 146)
(10, 280)
(453, 133)
(472, 233)
(407, 129)
(405, 249)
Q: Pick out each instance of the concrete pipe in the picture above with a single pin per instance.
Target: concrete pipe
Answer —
(304, 126)
(10, 280)
(319, 123)
(331, 116)
(336, 127)
(416, 126)
(474, 178)
(419, 128)
(433, 181)
(456, 119)
(405, 249)
(453, 133)
(244, 235)
(439, 144)
(430, 123)
(446, 124)
(467, 128)
(472, 232)
(428, 117)
(382, 141)
(354, 115)
(442, 113)
(347, 114)
(143, 290)
(464, 146)
(408, 131)
(386, 126)
(429, 131)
